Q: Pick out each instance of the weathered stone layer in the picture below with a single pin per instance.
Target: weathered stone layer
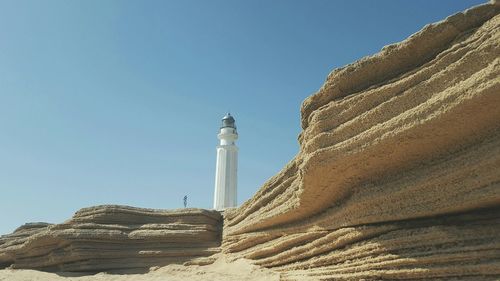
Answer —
(112, 237)
(393, 147)
(398, 177)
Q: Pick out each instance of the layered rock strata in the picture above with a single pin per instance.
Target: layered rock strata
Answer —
(112, 237)
(399, 153)
(18, 237)
(398, 177)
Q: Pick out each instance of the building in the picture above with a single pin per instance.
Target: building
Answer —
(225, 194)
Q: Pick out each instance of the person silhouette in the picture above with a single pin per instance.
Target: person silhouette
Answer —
(185, 201)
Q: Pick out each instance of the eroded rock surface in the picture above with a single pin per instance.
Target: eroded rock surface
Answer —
(398, 176)
(113, 237)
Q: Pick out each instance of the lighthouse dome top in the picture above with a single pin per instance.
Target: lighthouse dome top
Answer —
(228, 121)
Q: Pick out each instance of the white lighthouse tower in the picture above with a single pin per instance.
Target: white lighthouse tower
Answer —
(227, 165)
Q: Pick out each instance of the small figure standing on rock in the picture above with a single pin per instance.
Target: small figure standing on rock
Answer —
(185, 201)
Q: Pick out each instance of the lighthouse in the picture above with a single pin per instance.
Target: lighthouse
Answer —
(227, 165)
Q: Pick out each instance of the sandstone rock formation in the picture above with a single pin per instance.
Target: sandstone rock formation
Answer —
(18, 237)
(111, 237)
(398, 176)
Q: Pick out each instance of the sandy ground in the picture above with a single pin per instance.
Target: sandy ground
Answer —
(221, 270)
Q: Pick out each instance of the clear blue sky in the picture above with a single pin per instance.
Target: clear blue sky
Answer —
(119, 102)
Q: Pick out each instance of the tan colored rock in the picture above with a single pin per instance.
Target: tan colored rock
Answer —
(399, 154)
(112, 237)
(398, 177)
(16, 239)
